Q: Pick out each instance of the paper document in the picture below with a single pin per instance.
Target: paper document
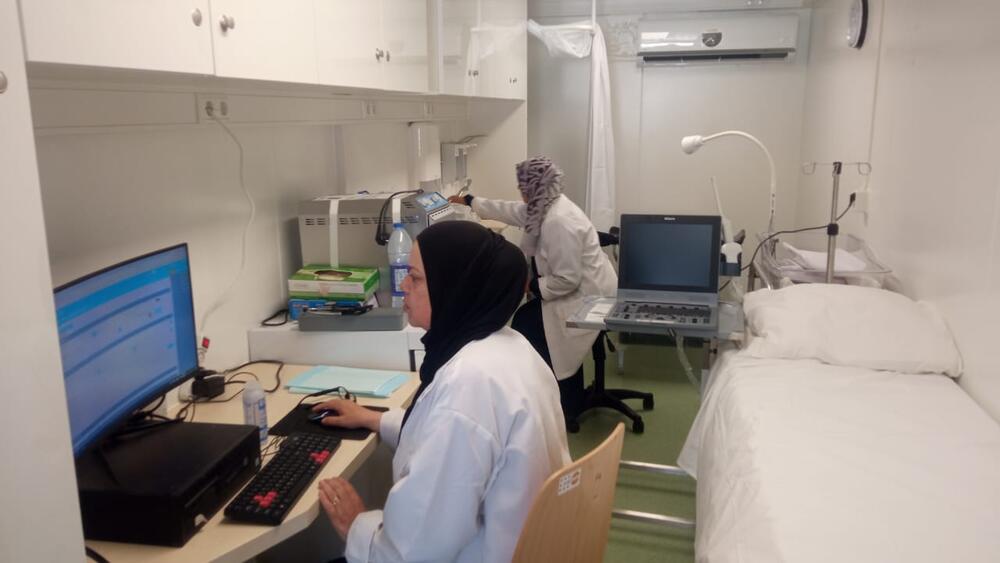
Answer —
(367, 382)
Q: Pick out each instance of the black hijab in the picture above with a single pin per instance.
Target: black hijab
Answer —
(475, 281)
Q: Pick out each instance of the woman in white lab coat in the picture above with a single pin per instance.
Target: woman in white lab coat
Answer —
(568, 264)
(484, 430)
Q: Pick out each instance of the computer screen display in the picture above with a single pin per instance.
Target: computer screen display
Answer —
(670, 253)
(126, 335)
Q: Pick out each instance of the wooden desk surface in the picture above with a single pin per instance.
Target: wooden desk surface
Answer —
(225, 540)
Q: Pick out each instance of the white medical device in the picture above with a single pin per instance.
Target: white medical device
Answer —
(340, 229)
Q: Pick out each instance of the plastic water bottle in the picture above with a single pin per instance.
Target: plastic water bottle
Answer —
(255, 408)
(399, 261)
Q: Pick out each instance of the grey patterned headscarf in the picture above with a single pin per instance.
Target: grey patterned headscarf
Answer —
(538, 178)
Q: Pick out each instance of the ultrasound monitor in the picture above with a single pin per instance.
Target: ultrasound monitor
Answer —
(126, 336)
(670, 253)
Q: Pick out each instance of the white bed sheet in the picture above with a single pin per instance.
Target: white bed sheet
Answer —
(800, 461)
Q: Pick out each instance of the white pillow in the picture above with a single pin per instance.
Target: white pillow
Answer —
(850, 326)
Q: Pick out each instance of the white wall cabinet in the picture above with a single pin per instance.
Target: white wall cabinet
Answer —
(366, 44)
(504, 63)
(380, 44)
(164, 35)
(483, 48)
(264, 40)
(459, 55)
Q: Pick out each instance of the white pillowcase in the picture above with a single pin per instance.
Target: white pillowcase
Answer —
(850, 326)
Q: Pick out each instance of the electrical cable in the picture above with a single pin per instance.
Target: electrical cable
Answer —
(381, 236)
(148, 413)
(753, 257)
(224, 296)
(92, 554)
(284, 321)
(277, 373)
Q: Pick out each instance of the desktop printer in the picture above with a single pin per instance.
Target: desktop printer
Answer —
(159, 486)
(340, 229)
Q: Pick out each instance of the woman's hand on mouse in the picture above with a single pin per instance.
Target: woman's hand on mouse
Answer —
(349, 415)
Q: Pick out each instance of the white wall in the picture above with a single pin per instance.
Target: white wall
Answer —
(936, 177)
(654, 106)
(110, 196)
(112, 193)
(42, 518)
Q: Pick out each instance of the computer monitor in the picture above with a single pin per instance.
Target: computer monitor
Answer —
(126, 335)
(670, 253)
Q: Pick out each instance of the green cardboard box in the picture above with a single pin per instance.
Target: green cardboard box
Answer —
(333, 283)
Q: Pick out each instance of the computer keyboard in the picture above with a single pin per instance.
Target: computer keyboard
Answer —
(271, 493)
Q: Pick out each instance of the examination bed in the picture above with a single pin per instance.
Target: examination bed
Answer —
(805, 452)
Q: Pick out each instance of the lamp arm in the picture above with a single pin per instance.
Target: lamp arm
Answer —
(770, 163)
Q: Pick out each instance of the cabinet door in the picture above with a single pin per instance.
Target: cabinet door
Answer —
(504, 51)
(405, 38)
(348, 41)
(265, 40)
(459, 54)
(167, 35)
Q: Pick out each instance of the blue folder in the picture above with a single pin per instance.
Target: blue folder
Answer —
(364, 382)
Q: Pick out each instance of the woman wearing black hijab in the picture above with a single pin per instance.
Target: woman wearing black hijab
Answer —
(484, 431)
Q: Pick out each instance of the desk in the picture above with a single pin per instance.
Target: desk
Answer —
(225, 540)
(591, 315)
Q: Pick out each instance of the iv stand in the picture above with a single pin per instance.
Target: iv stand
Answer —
(832, 230)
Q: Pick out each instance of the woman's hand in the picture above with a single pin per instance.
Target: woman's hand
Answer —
(349, 415)
(459, 199)
(341, 503)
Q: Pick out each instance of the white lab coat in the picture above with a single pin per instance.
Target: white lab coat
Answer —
(571, 265)
(481, 440)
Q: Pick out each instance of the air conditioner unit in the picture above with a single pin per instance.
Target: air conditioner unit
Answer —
(726, 37)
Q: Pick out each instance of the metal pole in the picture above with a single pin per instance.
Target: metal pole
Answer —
(831, 248)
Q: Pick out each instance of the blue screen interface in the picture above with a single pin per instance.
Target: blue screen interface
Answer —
(126, 335)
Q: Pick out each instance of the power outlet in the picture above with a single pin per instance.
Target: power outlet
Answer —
(213, 107)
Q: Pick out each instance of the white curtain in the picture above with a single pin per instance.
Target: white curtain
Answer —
(576, 41)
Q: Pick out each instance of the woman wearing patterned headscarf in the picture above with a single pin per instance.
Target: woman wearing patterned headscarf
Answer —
(567, 265)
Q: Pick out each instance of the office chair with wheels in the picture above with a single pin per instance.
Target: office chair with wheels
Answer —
(597, 396)
(570, 517)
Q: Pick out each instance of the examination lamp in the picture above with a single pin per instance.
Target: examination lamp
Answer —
(692, 143)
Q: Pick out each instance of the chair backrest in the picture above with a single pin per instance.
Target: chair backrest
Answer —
(571, 515)
(611, 239)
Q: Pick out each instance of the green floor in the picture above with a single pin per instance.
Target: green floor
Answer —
(655, 369)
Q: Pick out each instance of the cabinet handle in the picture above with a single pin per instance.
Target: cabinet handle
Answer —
(227, 23)
(196, 17)
(388, 55)
(3, 82)
(475, 73)
(379, 53)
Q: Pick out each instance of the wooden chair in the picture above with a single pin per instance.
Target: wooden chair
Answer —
(571, 515)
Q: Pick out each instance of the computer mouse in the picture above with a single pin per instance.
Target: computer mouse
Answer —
(318, 416)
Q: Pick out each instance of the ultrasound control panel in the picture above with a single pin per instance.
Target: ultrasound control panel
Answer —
(660, 314)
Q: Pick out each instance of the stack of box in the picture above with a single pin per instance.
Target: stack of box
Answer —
(315, 285)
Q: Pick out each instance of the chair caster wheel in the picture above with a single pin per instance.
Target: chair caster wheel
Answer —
(638, 427)
(572, 426)
(647, 403)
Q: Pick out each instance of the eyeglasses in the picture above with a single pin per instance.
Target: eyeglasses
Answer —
(339, 392)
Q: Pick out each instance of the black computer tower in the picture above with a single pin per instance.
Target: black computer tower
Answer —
(161, 485)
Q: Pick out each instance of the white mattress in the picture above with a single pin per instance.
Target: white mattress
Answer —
(804, 462)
